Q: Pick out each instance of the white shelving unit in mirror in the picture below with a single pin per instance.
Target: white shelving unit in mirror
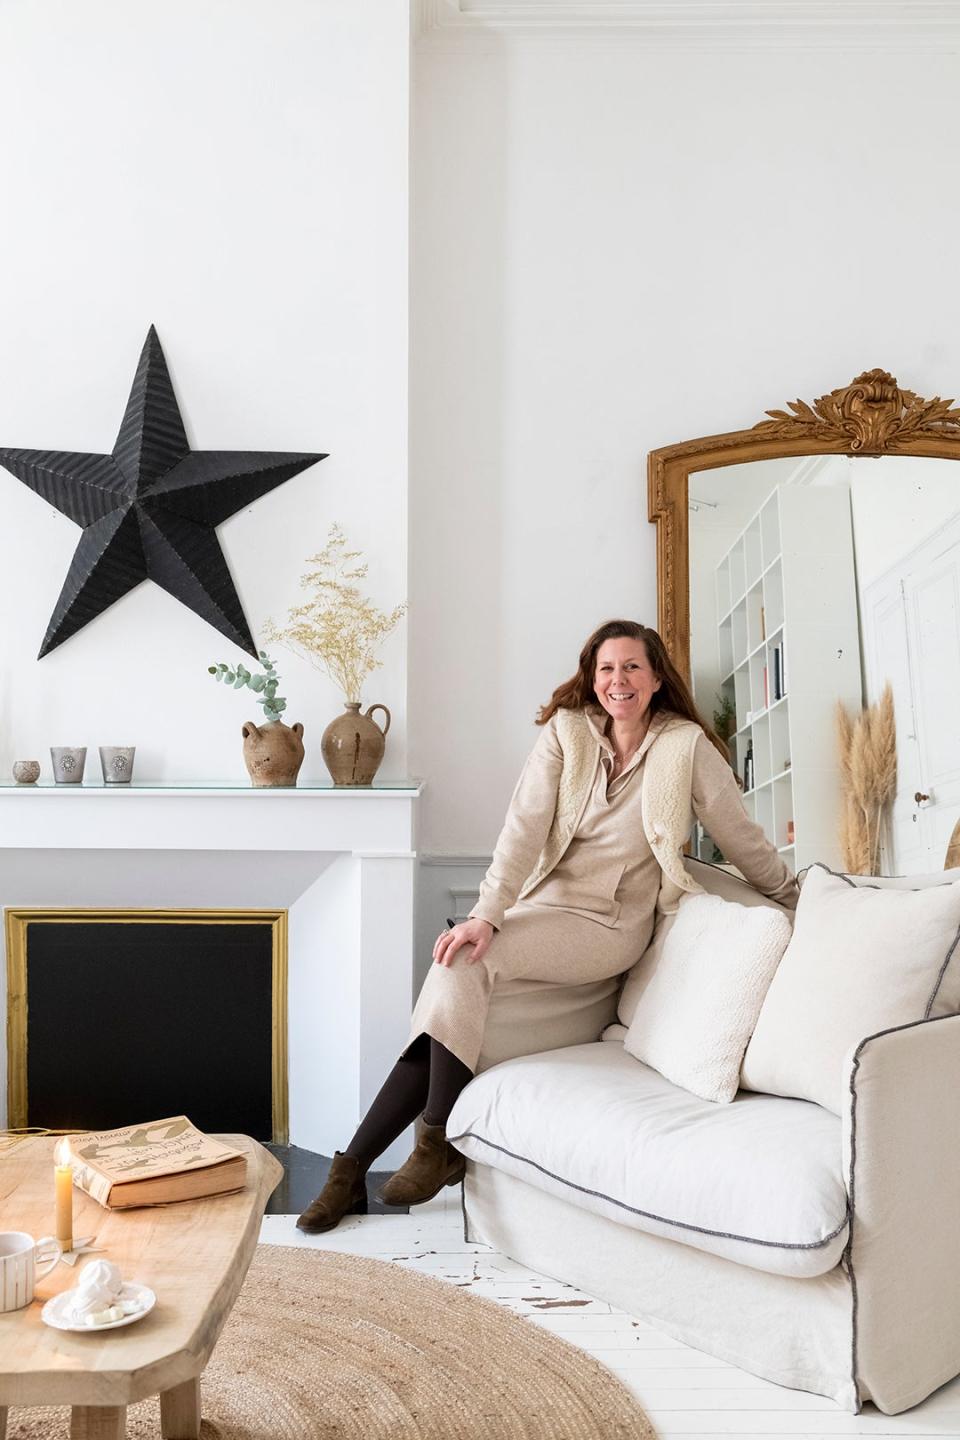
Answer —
(788, 642)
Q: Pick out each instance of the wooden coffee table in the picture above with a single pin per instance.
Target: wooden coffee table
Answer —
(194, 1255)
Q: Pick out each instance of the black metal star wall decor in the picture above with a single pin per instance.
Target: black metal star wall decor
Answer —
(149, 510)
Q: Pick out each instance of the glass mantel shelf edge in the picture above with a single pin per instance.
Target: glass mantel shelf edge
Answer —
(384, 790)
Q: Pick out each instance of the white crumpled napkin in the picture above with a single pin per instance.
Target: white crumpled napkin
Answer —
(96, 1299)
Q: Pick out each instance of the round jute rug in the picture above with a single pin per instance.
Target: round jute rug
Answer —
(322, 1346)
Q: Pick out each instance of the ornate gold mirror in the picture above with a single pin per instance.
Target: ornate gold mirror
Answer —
(811, 560)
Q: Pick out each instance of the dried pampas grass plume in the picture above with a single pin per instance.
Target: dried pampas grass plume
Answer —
(867, 745)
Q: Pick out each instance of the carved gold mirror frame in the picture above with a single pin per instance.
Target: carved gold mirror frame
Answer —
(871, 416)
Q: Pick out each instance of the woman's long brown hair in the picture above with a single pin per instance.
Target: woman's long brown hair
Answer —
(674, 693)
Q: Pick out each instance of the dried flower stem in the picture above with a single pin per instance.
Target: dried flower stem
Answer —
(337, 629)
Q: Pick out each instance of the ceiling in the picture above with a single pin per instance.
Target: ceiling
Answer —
(862, 25)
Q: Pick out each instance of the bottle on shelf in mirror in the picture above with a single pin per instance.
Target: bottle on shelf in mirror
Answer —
(748, 768)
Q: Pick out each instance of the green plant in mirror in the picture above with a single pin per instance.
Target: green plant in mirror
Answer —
(724, 717)
(264, 686)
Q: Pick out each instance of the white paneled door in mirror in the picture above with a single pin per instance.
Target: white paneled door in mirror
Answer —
(821, 579)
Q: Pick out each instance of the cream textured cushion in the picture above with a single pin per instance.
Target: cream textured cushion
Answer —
(715, 880)
(700, 1005)
(863, 958)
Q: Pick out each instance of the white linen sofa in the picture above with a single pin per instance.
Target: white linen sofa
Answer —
(818, 1251)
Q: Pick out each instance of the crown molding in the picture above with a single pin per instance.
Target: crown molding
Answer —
(927, 25)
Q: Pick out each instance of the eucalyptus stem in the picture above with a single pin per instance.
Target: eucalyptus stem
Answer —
(264, 686)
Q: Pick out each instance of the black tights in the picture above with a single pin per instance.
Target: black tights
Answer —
(426, 1079)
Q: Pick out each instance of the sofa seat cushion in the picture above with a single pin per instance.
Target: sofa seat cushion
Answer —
(758, 1181)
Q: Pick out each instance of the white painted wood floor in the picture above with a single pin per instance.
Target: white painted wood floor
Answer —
(684, 1392)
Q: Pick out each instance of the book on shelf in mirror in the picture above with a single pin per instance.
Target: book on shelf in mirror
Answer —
(154, 1164)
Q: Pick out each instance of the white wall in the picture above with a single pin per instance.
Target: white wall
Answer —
(616, 248)
(896, 506)
(237, 174)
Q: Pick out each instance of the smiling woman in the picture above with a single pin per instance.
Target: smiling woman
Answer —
(625, 683)
(625, 667)
(590, 849)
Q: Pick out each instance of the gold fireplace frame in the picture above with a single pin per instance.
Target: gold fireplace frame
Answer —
(16, 923)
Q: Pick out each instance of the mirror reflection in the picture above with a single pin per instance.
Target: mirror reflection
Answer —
(821, 580)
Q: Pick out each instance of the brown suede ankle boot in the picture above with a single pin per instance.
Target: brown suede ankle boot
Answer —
(345, 1193)
(432, 1164)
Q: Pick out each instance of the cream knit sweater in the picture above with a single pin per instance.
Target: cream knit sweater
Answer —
(553, 792)
(667, 784)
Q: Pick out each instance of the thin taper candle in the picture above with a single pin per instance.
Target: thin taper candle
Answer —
(63, 1192)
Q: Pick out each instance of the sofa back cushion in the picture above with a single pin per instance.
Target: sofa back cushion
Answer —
(715, 881)
(865, 957)
(695, 1016)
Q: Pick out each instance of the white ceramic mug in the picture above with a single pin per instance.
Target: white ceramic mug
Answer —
(24, 1261)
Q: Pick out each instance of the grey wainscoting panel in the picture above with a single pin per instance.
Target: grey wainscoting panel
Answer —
(447, 886)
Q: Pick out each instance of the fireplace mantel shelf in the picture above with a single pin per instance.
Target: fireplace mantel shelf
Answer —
(376, 819)
(401, 789)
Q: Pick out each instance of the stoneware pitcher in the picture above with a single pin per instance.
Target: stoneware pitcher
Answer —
(273, 753)
(353, 745)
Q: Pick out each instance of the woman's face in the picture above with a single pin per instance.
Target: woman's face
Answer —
(624, 680)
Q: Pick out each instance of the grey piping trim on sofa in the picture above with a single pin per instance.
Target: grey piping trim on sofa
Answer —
(648, 1214)
(943, 971)
(852, 1180)
(914, 890)
(821, 865)
(851, 1202)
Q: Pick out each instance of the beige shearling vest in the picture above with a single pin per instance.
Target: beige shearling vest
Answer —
(665, 804)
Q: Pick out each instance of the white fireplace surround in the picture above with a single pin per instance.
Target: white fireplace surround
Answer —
(341, 862)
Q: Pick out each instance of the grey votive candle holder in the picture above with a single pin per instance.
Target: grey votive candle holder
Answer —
(116, 762)
(68, 762)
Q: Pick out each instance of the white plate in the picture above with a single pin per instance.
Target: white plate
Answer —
(55, 1310)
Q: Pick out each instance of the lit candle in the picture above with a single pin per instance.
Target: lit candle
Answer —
(63, 1188)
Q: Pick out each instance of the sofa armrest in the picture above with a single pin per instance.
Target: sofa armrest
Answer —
(901, 1152)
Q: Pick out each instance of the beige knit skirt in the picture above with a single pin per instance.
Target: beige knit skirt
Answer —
(535, 942)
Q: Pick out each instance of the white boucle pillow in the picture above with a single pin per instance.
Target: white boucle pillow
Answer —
(715, 880)
(864, 957)
(698, 1009)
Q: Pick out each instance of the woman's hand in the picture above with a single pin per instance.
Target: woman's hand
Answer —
(475, 933)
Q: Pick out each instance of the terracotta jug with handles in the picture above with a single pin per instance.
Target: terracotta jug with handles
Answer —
(273, 752)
